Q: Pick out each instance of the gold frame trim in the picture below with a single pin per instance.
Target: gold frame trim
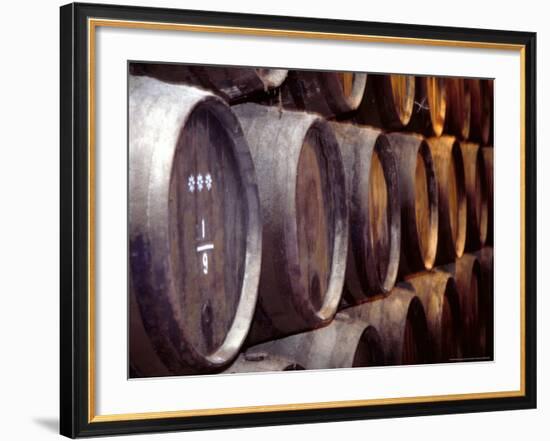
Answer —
(92, 25)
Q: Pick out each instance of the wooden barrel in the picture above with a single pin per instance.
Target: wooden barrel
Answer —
(344, 343)
(457, 121)
(231, 83)
(195, 228)
(327, 93)
(490, 100)
(374, 210)
(485, 257)
(262, 362)
(452, 207)
(487, 153)
(430, 106)
(439, 296)
(400, 321)
(305, 219)
(467, 274)
(481, 92)
(476, 196)
(419, 202)
(388, 101)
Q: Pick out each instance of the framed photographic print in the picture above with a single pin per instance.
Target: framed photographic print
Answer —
(273, 220)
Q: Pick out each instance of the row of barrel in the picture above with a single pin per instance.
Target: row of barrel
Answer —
(430, 105)
(251, 225)
(438, 316)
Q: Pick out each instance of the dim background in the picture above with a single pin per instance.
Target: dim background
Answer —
(29, 220)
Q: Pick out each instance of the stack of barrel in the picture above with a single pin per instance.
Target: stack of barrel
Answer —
(287, 220)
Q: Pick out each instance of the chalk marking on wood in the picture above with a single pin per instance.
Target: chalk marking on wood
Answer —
(205, 247)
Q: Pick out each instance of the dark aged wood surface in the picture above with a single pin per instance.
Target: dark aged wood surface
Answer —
(430, 106)
(481, 92)
(419, 202)
(231, 83)
(439, 296)
(459, 108)
(144, 360)
(194, 226)
(452, 207)
(388, 101)
(476, 195)
(314, 218)
(305, 220)
(207, 212)
(488, 166)
(374, 210)
(400, 321)
(467, 274)
(485, 257)
(327, 93)
(488, 106)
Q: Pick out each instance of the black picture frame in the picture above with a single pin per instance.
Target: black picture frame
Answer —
(76, 419)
